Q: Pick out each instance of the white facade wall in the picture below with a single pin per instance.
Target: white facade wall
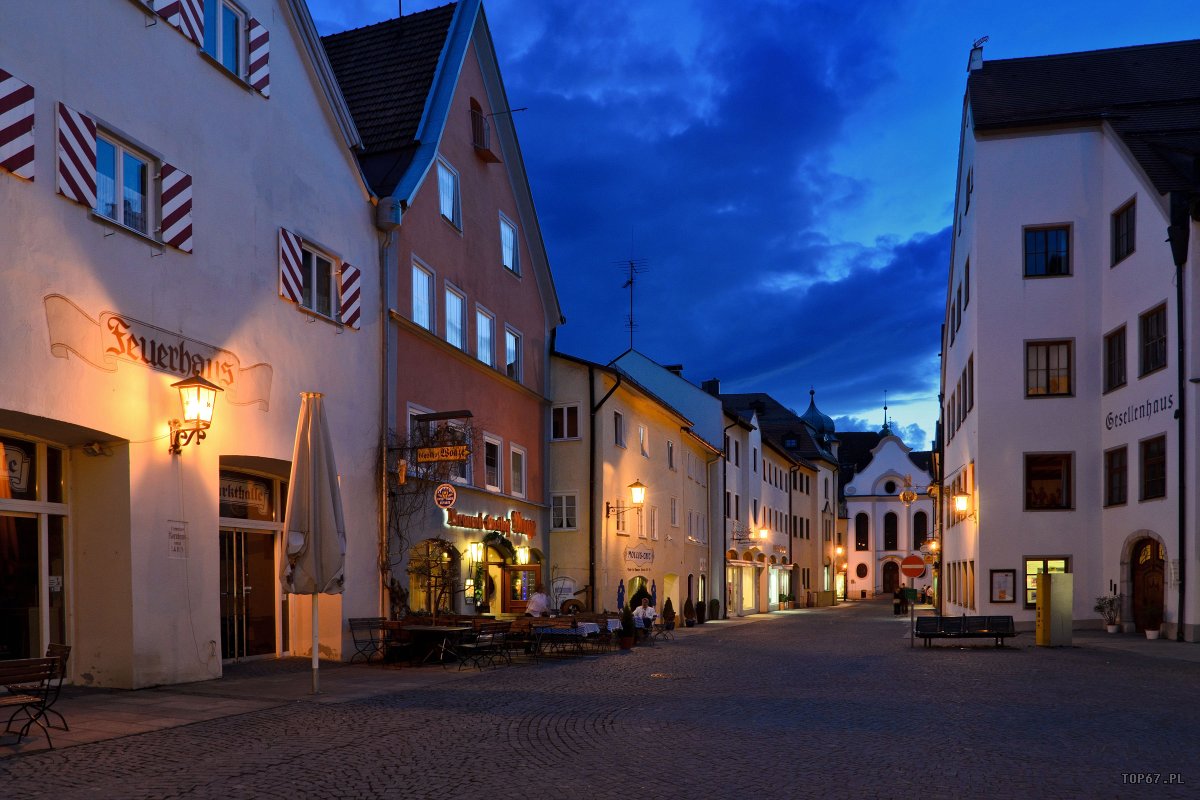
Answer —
(137, 616)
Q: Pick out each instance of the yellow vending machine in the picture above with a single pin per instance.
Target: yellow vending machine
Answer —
(1055, 601)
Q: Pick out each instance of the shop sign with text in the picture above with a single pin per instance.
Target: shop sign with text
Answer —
(515, 522)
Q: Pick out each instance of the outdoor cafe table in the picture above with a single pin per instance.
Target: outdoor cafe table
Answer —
(440, 639)
(561, 639)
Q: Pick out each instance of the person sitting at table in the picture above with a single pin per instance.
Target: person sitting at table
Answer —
(646, 613)
(539, 603)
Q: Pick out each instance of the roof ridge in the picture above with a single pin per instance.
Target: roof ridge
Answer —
(1080, 53)
(388, 21)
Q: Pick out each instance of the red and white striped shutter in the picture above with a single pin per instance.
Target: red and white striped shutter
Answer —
(258, 45)
(176, 208)
(291, 279)
(76, 156)
(351, 294)
(187, 16)
(16, 126)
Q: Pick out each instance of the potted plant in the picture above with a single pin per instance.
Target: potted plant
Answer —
(1152, 621)
(1108, 607)
(784, 601)
(689, 613)
(700, 613)
(628, 630)
(714, 609)
(668, 615)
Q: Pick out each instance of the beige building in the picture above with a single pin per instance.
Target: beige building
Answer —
(608, 433)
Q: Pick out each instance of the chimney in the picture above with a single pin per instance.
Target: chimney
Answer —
(712, 386)
(674, 369)
(976, 60)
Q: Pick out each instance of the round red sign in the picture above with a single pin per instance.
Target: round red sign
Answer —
(912, 566)
(445, 495)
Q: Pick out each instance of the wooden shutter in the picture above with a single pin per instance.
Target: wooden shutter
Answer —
(16, 126)
(76, 156)
(176, 208)
(186, 16)
(258, 46)
(291, 279)
(351, 295)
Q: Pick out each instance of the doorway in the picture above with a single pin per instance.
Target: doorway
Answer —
(248, 618)
(891, 577)
(1146, 578)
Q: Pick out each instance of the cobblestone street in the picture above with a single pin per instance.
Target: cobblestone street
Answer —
(825, 703)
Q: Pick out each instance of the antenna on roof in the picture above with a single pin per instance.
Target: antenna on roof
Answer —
(632, 268)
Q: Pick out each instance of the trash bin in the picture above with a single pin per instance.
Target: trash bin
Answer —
(863, 595)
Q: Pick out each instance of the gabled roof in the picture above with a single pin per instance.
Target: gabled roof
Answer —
(857, 450)
(1149, 94)
(781, 424)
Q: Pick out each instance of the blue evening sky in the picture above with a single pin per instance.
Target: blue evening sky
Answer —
(784, 168)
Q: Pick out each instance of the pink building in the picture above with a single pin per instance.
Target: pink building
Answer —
(472, 311)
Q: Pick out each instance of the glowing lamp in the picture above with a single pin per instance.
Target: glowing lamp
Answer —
(197, 398)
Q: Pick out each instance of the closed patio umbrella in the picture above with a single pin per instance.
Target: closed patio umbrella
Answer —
(315, 554)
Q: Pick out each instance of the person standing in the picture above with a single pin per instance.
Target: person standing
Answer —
(539, 603)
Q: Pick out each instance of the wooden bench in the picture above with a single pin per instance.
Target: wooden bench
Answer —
(28, 682)
(369, 638)
(997, 628)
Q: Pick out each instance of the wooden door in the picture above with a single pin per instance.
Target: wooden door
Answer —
(1146, 578)
(891, 577)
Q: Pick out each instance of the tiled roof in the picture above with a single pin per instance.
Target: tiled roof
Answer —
(1150, 94)
(779, 423)
(386, 72)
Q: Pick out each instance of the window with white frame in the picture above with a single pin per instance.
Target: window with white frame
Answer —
(456, 317)
(491, 463)
(564, 422)
(652, 522)
(510, 253)
(459, 471)
(422, 297)
(643, 445)
(563, 515)
(619, 513)
(123, 177)
(517, 458)
(618, 429)
(512, 353)
(318, 292)
(225, 35)
(485, 337)
(448, 197)
(670, 455)
(691, 524)
(674, 512)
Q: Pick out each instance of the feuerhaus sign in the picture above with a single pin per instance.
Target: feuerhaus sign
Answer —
(117, 337)
(1132, 413)
(513, 523)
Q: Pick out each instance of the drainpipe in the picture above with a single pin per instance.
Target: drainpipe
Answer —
(725, 524)
(387, 221)
(593, 505)
(1177, 234)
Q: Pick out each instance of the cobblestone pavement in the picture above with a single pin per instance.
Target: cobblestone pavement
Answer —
(831, 703)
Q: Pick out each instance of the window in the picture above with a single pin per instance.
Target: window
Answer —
(564, 422)
(516, 460)
(459, 471)
(1047, 369)
(512, 354)
(970, 385)
(619, 512)
(317, 290)
(754, 514)
(674, 512)
(422, 297)
(1035, 566)
(1153, 328)
(456, 318)
(860, 532)
(1122, 232)
(485, 337)
(1114, 359)
(754, 460)
(491, 463)
(562, 512)
(737, 453)
(618, 429)
(1047, 252)
(226, 44)
(509, 252)
(670, 455)
(737, 506)
(123, 184)
(920, 529)
(1154, 468)
(448, 200)
(1116, 479)
(890, 537)
(1047, 481)
(642, 444)
(967, 284)
(727, 503)
(653, 522)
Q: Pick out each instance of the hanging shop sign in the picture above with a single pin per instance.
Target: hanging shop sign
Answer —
(117, 338)
(515, 522)
(445, 495)
(456, 452)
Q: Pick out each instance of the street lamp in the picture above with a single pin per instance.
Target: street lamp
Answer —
(637, 495)
(197, 397)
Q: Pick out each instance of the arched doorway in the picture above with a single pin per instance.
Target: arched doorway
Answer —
(891, 577)
(1146, 580)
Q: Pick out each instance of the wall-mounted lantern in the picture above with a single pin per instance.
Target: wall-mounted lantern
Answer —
(197, 397)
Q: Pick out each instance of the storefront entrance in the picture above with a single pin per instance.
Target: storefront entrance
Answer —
(891, 577)
(1146, 578)
(247, 594)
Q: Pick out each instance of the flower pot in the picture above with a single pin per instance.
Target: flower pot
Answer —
(1151, 633)
(1112, 628)
(689, 623)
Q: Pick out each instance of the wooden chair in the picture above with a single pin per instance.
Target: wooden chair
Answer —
(29, 682)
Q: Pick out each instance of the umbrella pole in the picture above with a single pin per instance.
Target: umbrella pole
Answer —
(316, 664)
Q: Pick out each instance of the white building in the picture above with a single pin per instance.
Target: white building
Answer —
(889, 509)
(180, 202)
(1067, 386)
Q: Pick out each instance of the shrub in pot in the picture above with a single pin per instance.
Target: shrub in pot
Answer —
(628, 629)
(689, 613)
(700, 613)
(1108, 607)
(714, 609)
(668, 615)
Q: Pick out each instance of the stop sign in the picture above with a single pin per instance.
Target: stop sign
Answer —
(912, 566)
